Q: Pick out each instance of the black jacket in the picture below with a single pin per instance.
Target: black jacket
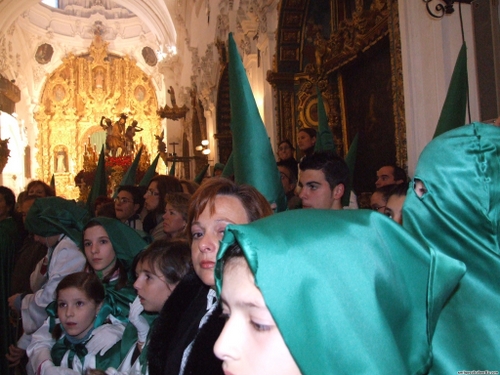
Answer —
(177, 325)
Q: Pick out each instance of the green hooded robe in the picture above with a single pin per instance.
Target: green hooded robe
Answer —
(351, 292)
(459, 216)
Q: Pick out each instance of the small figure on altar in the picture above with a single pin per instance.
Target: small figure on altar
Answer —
(129, 136)
(114, 134)
(162, 147)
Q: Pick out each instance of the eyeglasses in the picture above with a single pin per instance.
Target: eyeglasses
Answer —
(377, 208)
(123, 200)
(284, 148)
(152, 192)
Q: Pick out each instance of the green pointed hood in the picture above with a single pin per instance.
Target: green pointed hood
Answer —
(54, 215)
(228, 170)
(129, 176)
(171, 172)
(99, 187)
(199, 177)
(350, 160)
(455, 105)
(253, 159)
(324, 137)
(349, 290)
(150, 173)
(459, 216)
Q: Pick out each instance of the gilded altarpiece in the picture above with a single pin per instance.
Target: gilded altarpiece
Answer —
(76, 96)
(349, 50)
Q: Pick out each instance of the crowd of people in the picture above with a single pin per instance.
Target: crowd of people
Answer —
(318, 289)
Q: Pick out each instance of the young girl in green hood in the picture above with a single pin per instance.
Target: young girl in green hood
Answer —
(329, 298)
(79, 298)
(110, 247)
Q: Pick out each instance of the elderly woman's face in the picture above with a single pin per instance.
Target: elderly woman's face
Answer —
(250, 342)
(208, 229)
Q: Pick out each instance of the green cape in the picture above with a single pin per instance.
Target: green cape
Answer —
(460, 217)
(54, 215)
(351, 291)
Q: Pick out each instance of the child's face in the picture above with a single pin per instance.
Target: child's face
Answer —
(76, 311)
(153, 290)
(250, 342)
(98, 248)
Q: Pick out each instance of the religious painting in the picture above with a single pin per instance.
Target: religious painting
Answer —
(99, 78)
(140, 93)
(60, 159)
(59, 93)
(149, 56)
(44, 53)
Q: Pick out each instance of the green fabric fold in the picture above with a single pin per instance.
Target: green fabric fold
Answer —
(253, 159)
(353, 289)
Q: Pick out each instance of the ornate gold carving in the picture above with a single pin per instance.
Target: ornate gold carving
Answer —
(76, 96)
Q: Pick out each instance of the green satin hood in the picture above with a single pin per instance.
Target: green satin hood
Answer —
(351, 291)
(459, 216)
(54, 215)
(127, 242)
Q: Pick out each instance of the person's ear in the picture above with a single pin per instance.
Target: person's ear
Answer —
(136, 207)
(338, 191)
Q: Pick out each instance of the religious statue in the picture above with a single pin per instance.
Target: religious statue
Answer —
(162, 147)
(175, 112)
(115, 135)
(129, 137)
(4, 153)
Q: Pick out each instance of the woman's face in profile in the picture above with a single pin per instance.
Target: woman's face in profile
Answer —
(250, 342)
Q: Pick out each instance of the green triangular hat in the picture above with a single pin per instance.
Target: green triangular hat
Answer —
(199, 177)
(253, 158)
(53, 183)
(324, 138)
(228, 170)
(350, 160)
(99, 187)
(339, 279)
(455, 105)
(171, 172)
(150, 173)
(55, 215)
(129, 176)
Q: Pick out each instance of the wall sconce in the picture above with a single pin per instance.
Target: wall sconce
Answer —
(447, 8)
(203, 147)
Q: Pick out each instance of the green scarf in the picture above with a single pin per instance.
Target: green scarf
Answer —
(351, 291)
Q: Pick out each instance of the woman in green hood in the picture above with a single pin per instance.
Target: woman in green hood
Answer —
(455, 209)
(351, 292)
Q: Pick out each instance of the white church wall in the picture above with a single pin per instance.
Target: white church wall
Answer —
(429, 49)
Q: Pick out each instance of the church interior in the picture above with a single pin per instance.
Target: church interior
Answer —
(72, 71)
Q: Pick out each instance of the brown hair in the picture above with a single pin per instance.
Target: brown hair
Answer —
(180, 202)
(172, 258)
(254, 203)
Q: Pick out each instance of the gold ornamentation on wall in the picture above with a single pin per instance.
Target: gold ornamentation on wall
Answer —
(76, 96)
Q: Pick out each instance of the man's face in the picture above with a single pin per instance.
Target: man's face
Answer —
(385, 176)
(124, 205)
(315, 190)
